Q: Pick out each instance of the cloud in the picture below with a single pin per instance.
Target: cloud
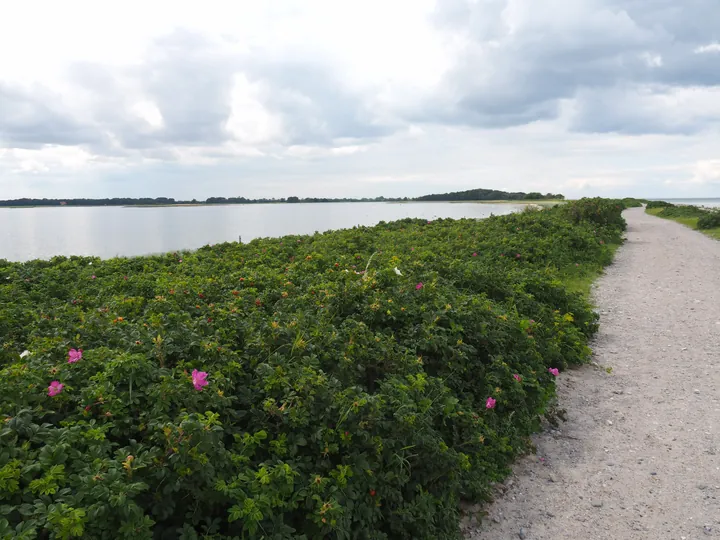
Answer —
(517, 60)
(512, 62)
(32, 117)
(646, 109)
(191, 91)
(707, 172)
(709, 48)
(179, 96)
(316, 108)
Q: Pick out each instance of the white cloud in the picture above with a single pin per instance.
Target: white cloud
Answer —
(307, 151)
(652, 60)
(148, 112)
(250, 122)
(50, 158)
(709, 48)
(707, 172)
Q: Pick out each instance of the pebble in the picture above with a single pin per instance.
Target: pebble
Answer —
(521, 534)
(597, 504)
(496, 519)
(696, 391)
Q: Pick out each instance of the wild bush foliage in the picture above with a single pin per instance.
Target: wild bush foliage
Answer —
(353, 384)
(710, 220)
(683, 211)
(658, 204)
(631, 202)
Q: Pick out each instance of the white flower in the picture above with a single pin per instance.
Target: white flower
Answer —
(90, 263)
(398, 272)
(24, 354)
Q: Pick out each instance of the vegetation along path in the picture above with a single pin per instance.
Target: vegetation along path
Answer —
(639, 455)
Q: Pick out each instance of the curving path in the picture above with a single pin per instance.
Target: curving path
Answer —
(639, 457)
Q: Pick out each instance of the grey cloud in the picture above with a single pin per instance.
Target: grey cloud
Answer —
(317, 109)
(515, 75)
(627, 111)
(190, 80)
(30, 118)
(187, 79)
(505, 75)
(691, 21)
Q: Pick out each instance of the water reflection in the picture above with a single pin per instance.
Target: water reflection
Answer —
(31, 233)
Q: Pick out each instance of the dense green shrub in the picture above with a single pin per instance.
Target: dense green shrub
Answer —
(683, 211)
(658, 204)
(598, 211)
(710, 220)
(352, 384)
(631, 202)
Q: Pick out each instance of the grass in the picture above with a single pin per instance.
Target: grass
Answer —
(690, 222)
(582, 281)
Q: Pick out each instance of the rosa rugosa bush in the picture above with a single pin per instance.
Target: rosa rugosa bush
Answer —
(710, 220)
(351, 384)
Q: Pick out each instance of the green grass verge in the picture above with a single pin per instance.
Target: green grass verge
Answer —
(581, 280)
(687, 221)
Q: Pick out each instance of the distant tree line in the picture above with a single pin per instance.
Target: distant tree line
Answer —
(489, 195)
(122, 201)
(145, 201)
(470, 195)
(243, 200)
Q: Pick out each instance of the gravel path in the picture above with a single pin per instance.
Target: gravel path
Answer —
(639, 457)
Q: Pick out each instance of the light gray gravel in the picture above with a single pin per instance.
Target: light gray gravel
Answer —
(639, 457)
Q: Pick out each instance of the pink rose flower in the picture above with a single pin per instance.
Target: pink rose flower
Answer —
(55, 388)
(74, 355)
(199, 379)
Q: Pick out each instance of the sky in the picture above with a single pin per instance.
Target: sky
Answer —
(340, 98)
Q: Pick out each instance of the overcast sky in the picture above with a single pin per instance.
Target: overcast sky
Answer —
(363, 98)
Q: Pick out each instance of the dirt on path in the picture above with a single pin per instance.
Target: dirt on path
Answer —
(639, 457)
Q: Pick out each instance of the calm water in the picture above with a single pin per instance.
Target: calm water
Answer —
(710, 203)
(40, 233)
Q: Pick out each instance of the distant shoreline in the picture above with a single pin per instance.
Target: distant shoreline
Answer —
(178, 205)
